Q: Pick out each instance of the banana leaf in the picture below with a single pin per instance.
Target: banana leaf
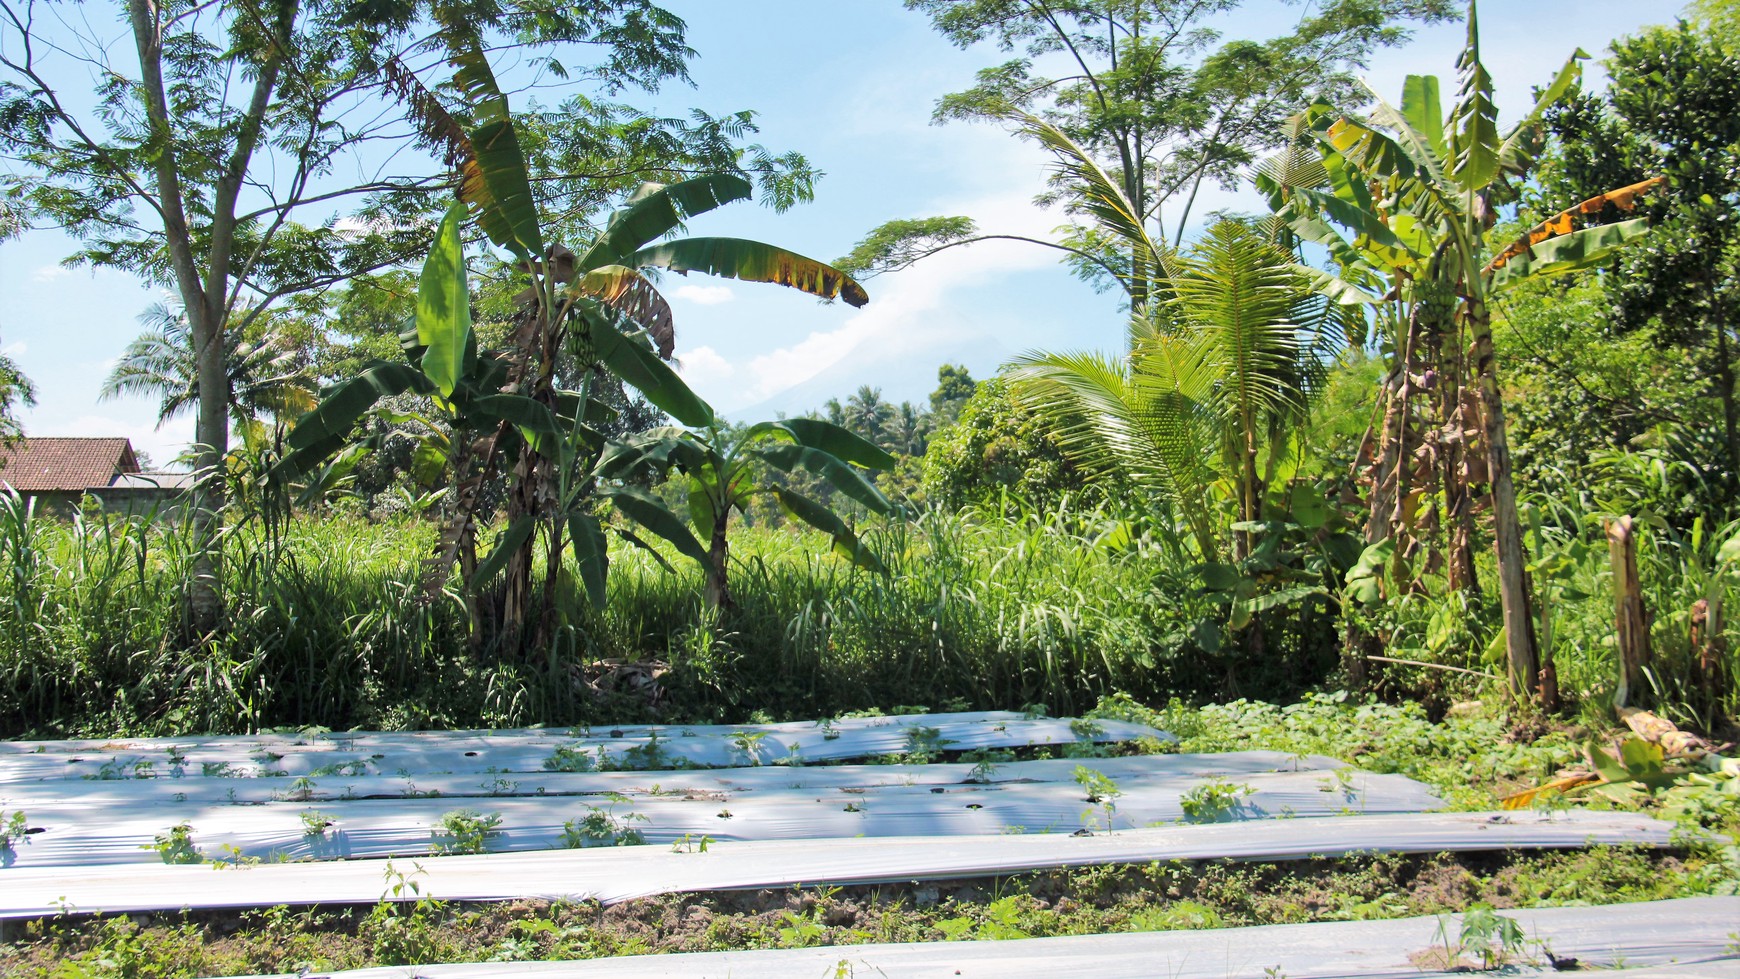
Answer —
(846, 543)
(752, 261)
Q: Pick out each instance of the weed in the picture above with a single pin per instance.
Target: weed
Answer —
(176, 846)
(690, 843)
(315, 824)
(1213, 799)
(748, 743)
(569, 758)
(1101, 791)
(465, 831)
(602, 827)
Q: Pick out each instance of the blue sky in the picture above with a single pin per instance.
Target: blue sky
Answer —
(850, 83)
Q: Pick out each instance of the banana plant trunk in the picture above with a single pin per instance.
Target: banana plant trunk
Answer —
(1513, 582)
(718, 593)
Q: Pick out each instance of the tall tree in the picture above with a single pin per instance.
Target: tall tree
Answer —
(907, 430)
(1671, 107)
(1159, 99)
(866, 413)
(208, 160)
(954, 385)
(15, 391)
(266, 375)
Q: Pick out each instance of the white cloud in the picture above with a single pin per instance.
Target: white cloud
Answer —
(704, 365)
(50, 273)
(704, 295)
(904, 300)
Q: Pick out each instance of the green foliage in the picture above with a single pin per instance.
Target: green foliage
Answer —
(1667, 111)
(995, 451)
(465, 831)
(1155, 108)
(1213, 800)
(16, 391)
(601, 826)
(14, 829)
(176, 846)
(1215, 383)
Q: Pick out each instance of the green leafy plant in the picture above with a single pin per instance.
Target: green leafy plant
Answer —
(583, 314)
(176, 846)
(14, 829)
(1101, 791)
(690, 843)
(725, 472)
(1400, 199)
(749, 744)
(601, 826)
(1498, 940)
(465, 831)
(315, 824)
(1212, 800)
(569, 758)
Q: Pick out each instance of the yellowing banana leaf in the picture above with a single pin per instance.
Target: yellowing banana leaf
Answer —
(1564, 222)
(1567, 253)
(752, 261)
(508, 213)
(1527, 797)
(627, 291)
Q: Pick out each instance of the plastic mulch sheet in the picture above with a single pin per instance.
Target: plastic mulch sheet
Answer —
(1684, 939)
(612, 874)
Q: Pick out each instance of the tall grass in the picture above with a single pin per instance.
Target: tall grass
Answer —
(326, 626)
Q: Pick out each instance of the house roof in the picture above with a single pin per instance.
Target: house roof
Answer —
(50, 465)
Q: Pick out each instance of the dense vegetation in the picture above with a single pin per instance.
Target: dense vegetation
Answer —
(1397, 471)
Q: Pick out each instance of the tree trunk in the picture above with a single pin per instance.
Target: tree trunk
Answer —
(1630, 623)
(205, 297)
(1513, 583)
(718, 594)
(212, 433)
(1730, 411)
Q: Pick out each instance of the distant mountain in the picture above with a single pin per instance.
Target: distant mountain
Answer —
(905, 370)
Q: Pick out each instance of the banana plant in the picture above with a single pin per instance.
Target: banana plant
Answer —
(724, 473)
(1404, 201)
(581, 313)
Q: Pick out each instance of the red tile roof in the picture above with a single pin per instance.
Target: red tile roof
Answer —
(48, 465)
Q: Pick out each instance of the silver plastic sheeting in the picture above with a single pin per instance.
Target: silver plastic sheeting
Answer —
(620, 873)
(111, 828)
(341, 786)
(1666, 933)
(538, 749)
